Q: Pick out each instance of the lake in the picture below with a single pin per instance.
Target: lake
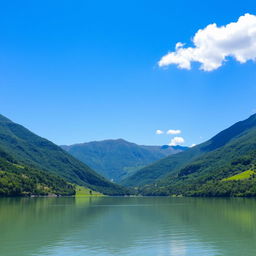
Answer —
(104, 226)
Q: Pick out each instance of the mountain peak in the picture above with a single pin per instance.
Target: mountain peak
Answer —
(118, 158)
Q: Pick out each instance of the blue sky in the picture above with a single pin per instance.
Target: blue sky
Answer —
(76, 71)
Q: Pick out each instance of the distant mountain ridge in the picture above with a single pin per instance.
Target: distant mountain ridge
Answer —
(117, 159)
(28, 149)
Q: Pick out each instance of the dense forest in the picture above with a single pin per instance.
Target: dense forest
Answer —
(172, 164)
(227, 168)
(225, 165)
(19, 180)
(36, 153)
(118, 159)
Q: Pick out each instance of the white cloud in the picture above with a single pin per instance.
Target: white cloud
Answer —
(213, 44)
(159, 132)
(193, 145)
(173, 132)
(176, 141)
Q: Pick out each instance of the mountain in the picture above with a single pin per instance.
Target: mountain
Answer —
(117, 159)
(159, 169)
(222, 166)
(21, 180)
(28, 149)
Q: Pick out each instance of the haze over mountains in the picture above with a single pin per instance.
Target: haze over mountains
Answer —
(117, 159)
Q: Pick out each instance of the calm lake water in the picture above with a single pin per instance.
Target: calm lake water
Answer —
(127, 226)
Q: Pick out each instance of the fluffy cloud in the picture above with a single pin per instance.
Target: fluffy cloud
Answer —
(173, 132)
(176, 141)
(213, 44)
(159, 132)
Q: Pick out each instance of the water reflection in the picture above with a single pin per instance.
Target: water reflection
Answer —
(127, 226)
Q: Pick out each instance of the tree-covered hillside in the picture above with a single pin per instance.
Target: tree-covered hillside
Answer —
(31, 150)
(227, 169)
(20, 180)
(173, 163)
(117, 159)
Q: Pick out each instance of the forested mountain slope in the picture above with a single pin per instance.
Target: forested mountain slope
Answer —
(117, 159)
(223, 142)
(31, 150)
(20, 180)
(229, 170)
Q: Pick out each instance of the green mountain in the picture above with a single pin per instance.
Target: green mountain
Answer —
(20, 180)
(222, 166)
(159, 169)
(28, 149)
(117, 159)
